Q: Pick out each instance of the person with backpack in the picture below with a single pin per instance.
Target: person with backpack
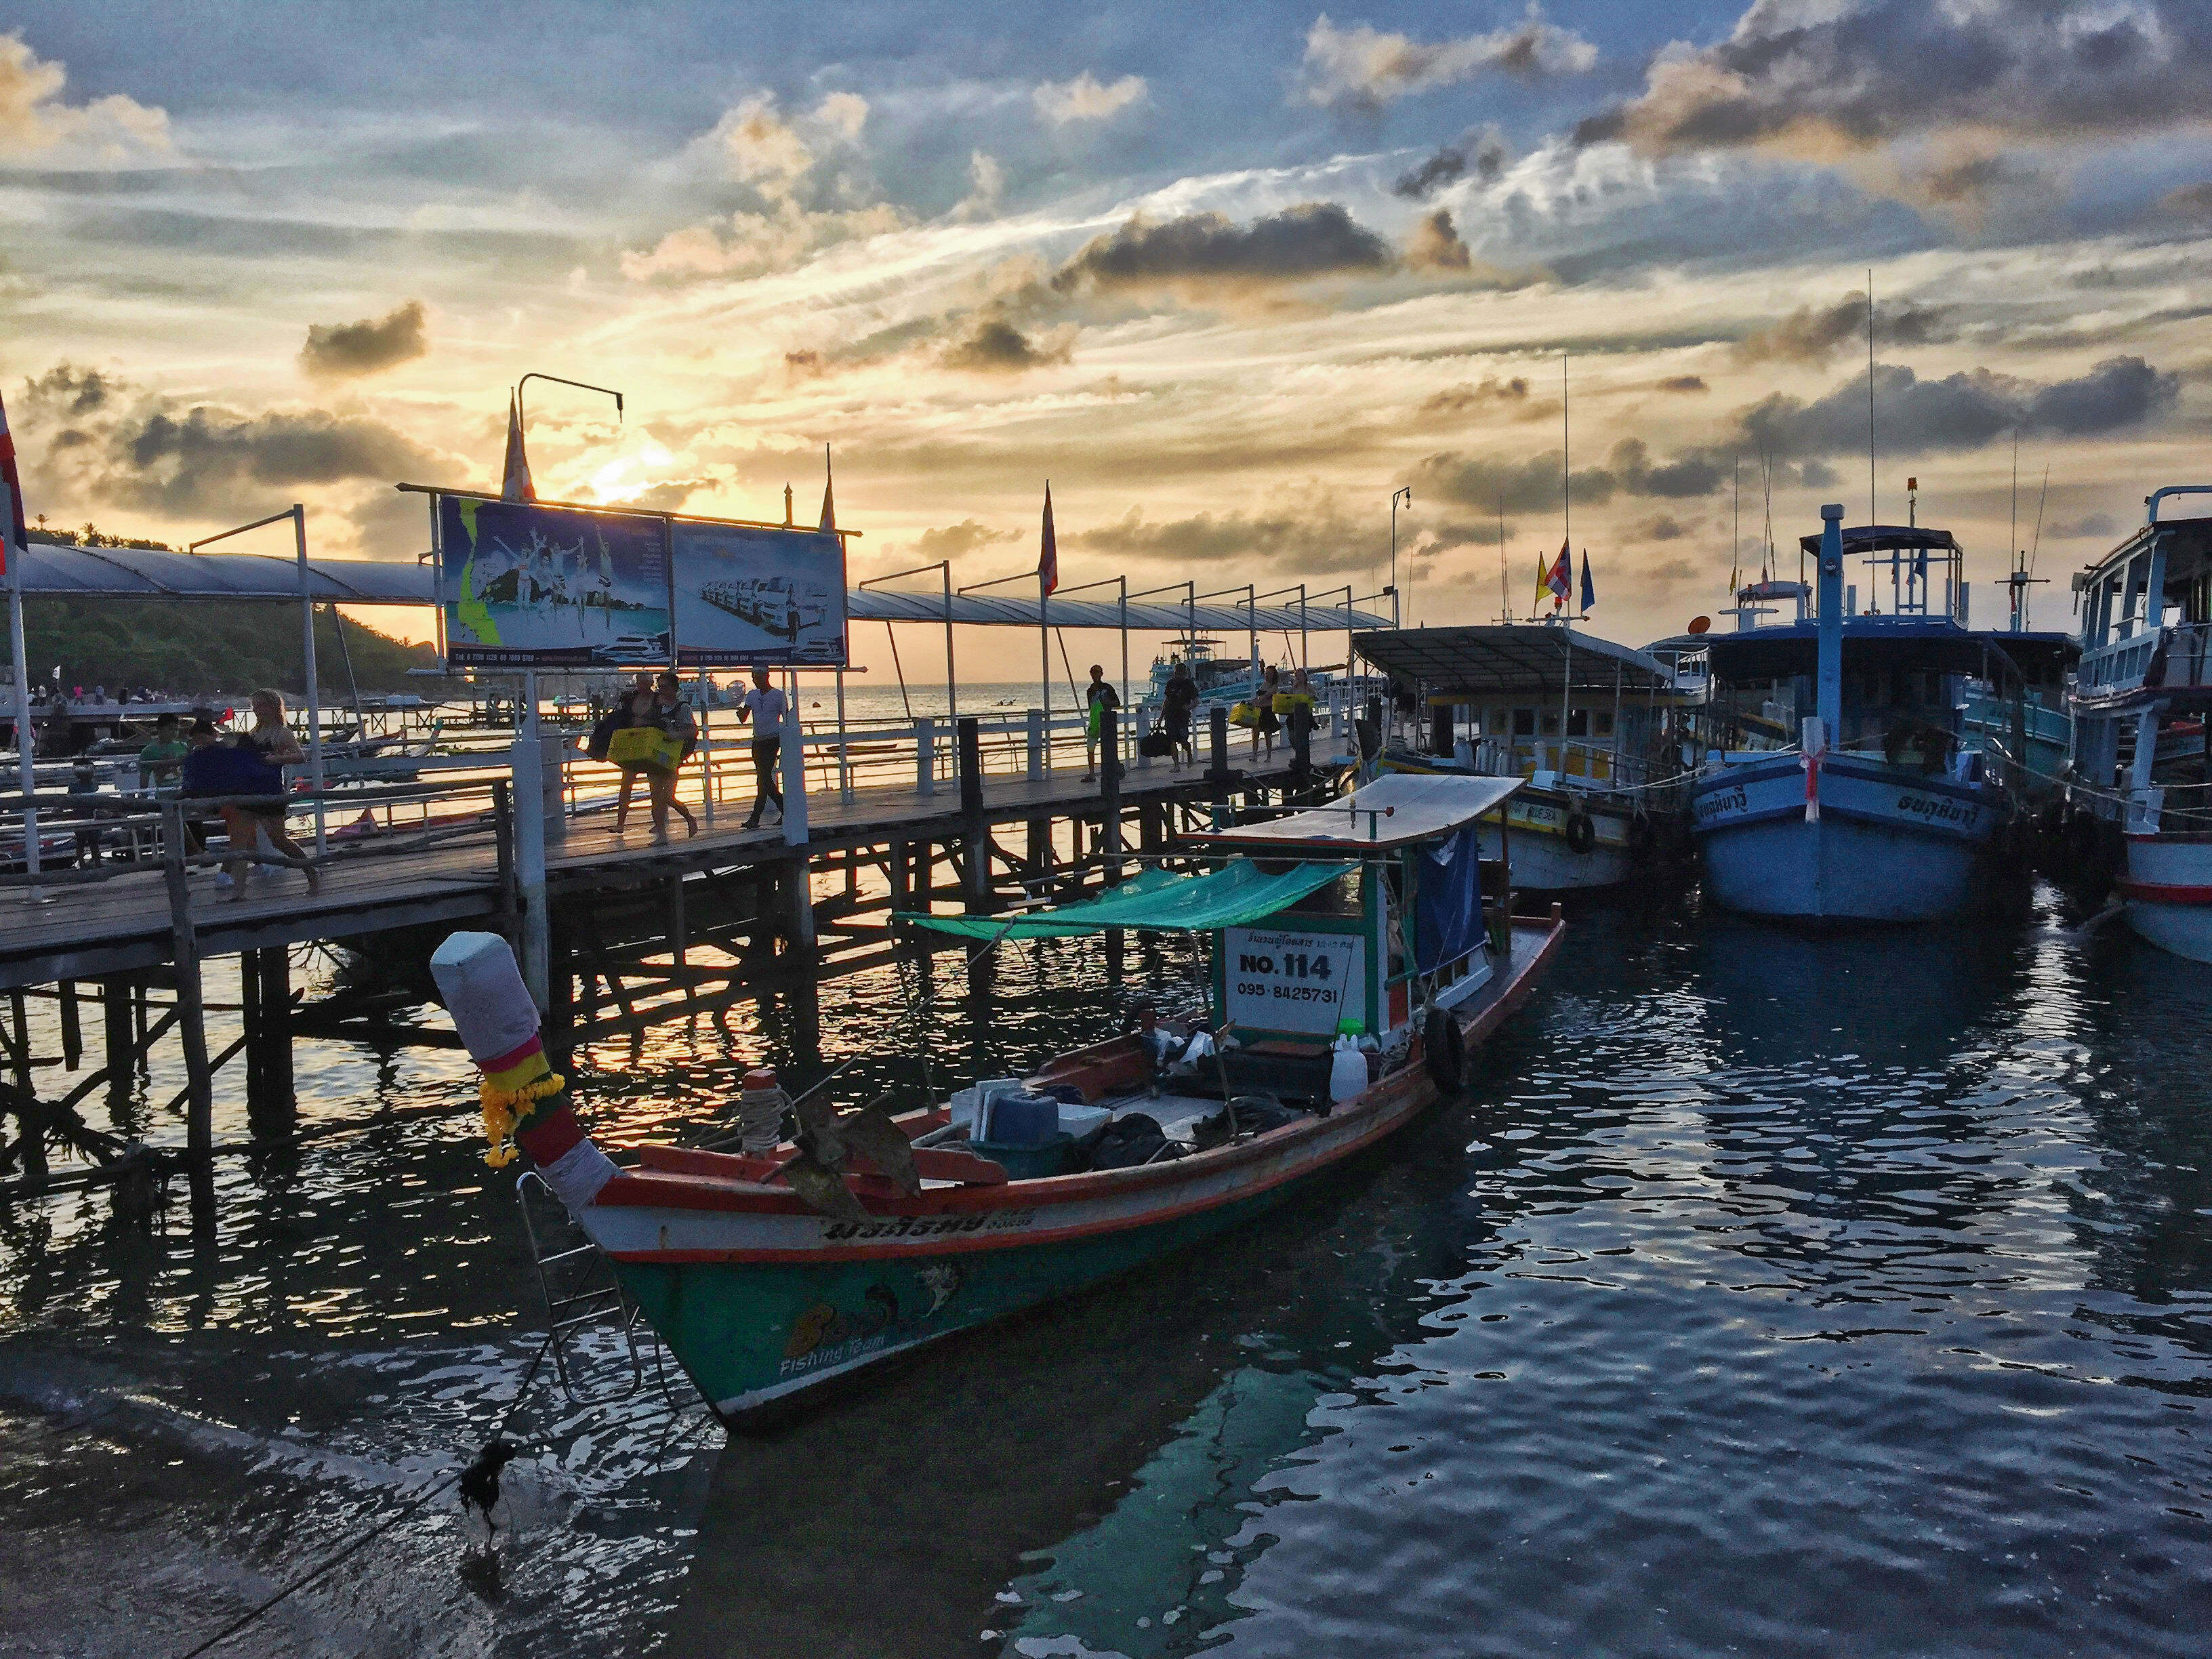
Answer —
(1098, 696)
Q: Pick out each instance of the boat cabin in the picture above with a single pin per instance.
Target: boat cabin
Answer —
(2145, 681)
(1539, 701)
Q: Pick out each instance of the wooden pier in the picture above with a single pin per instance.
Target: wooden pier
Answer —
(634, 930)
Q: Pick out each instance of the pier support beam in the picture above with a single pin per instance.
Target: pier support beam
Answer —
(115, 1028)
(264, 977)
(974, 828)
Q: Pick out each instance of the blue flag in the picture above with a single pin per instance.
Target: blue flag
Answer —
(1590, 587)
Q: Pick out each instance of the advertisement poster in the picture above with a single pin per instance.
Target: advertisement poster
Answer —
(747, 595)
(1283, 981)
(532, 586)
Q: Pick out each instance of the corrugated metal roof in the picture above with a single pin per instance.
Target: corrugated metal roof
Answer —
(1481, 660)
(152, 573)
(144, 573)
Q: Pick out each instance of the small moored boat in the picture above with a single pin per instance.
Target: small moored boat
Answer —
(1359, 954)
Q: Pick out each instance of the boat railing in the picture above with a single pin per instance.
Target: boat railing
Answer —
(2174, 657)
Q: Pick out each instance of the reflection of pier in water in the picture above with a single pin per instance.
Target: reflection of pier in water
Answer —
(636, 932)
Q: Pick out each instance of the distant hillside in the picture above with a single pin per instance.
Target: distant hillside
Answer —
(190, 646)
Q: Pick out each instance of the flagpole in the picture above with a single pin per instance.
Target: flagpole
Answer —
(1044, 629)
(25, 773)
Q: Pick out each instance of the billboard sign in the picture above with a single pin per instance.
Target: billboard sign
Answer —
(533, 587)
(748, 595)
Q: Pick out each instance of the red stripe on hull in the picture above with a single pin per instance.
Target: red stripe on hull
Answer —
(1396, 1103)
(2155, 892)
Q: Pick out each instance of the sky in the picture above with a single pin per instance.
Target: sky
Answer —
(1226, 277)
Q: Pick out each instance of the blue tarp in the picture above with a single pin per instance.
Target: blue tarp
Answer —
(1448, 908)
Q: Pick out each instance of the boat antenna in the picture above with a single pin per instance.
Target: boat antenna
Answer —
(1766, 471)
(2034, 547)
(1735, 548)
(1566, 462)
(1870, 507)
(1504, 583)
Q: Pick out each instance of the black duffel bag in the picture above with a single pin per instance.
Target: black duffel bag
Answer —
(1155, 744)
(1132, 1138)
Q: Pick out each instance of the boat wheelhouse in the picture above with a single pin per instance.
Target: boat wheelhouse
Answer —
(1219, 679)
(1841, 783)
(1360, 951)
(1587, 723)
(2142, 700)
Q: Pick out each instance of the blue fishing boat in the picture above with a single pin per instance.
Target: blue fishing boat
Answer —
(1886, 807)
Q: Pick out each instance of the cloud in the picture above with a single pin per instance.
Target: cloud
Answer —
(1085, 98)
(1684, 383)
(2189, 201)
(1435, 244)
(1363, 68)
(33, 120)
(1490, 486)
(750, 244)
(1198, 250)
(2095, 527)
(1960, 411)
(115, 445)
(1809, 334)
(1660, 527)
(952, 541)
(1309, 538)
(1821, 80)
(1460, 399)
(341, 350)
(808, 197)
(1484, 155)
(987, 184)
(995, 346)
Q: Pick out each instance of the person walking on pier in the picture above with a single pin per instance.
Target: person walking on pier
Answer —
(1268, 722)
(1098, 698)
(675, 717)
(765, 705)
(1298, 723)
(260, 755)
(1176, 706)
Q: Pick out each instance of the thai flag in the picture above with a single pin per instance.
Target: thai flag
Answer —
(19, 534)
(1561, 581)
(1047, 552)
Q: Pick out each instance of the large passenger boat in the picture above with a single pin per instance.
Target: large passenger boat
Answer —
(1587, 724)
(2140, 702)
(1360, 951)
(1843, 784)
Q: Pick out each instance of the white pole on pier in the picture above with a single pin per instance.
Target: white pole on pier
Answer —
(528, 805)
(314, 690)
(25, 771)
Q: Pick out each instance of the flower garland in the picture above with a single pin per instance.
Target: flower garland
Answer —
(505, 1109)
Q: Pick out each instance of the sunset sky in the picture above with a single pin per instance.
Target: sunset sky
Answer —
(1226, 276)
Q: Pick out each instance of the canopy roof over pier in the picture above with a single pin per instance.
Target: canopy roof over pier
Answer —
(136, 573)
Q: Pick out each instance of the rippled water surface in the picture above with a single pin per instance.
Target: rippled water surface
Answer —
(1767, 1295)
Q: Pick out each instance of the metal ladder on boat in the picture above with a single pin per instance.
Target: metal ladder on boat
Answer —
(578, 1288)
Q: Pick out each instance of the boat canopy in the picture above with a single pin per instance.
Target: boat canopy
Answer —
(1466, 664)
(1397, 810)
(1232, 896)
(1861, 540)
(1886, 643)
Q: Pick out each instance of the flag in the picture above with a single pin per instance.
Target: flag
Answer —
(829, 502)
(1560, 582)
(515, 483)
(1537, 603)
(1590, 587)
(1047, 550)
(18, 539)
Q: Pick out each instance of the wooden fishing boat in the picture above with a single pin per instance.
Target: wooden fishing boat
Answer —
(771, 1276)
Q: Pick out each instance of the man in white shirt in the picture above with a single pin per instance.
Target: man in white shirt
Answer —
(764, 705)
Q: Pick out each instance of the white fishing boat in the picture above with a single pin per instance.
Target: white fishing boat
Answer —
(2140, 702)
(1586, 722)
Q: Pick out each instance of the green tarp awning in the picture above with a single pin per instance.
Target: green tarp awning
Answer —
(1229, 897)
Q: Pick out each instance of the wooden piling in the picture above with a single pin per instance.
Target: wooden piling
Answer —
(72, 1029)
(185, 955)
(115, 1023)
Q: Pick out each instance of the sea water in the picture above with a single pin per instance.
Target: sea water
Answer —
(1764, 1295)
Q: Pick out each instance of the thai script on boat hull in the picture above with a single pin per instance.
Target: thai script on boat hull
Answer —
(1940, 809)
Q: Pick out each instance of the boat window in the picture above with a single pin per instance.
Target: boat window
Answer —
(1551, 724)
(1579, 722)
(1340, 899)
(1605, 724)
(1524, 722)
(1498, 723)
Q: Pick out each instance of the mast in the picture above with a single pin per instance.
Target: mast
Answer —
(1870, 510)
